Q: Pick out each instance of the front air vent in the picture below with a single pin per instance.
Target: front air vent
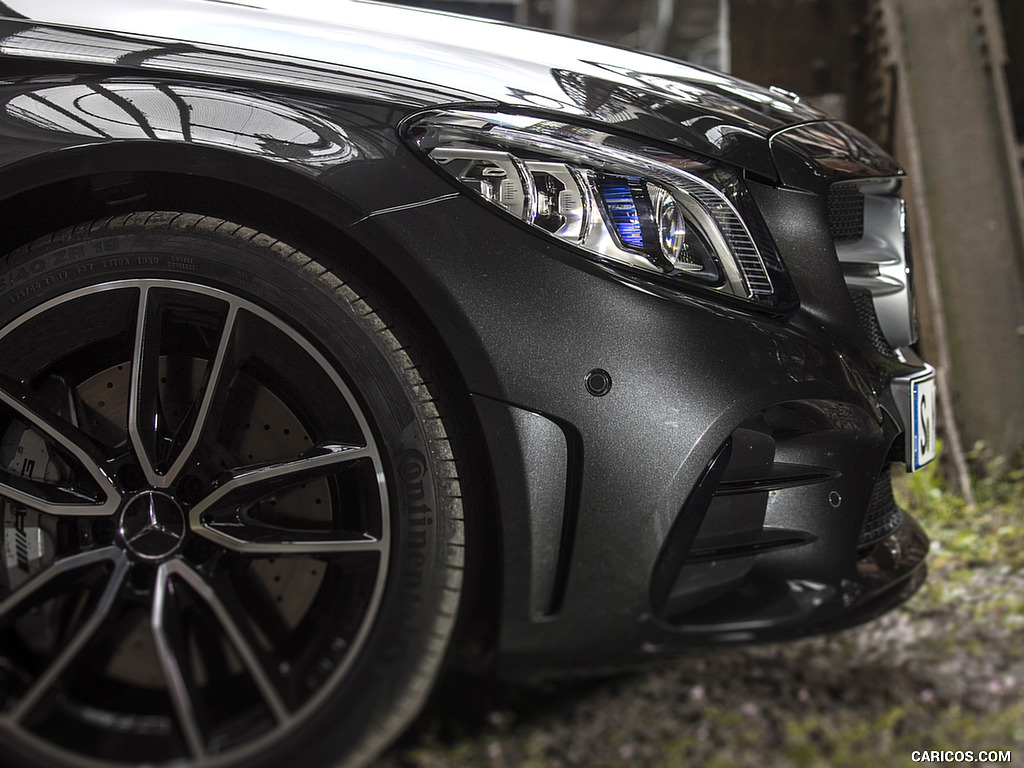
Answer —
(721, 529)
(884, 515)
(759, 514)
(864, 304)
(868, 223)
(845, 212)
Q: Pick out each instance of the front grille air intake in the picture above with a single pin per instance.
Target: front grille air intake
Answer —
(868, 222)
(845, 212)
(864, 304)
(884, 515)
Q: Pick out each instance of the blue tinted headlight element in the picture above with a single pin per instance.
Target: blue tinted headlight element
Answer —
(622, 209)
(663, 217)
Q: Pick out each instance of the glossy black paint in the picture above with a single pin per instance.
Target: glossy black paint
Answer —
(814, 155)
(587, 488)
(429, 58)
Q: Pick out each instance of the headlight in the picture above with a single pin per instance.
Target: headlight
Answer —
(667, 219)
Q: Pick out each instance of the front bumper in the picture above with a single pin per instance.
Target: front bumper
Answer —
(791, 530)
(615, 544)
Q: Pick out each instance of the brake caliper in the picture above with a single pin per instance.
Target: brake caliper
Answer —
(28, 536)
(28, 539)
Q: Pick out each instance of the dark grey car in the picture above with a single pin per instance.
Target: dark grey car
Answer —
(328, 335)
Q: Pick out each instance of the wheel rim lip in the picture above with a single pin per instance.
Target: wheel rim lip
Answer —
(311, 706)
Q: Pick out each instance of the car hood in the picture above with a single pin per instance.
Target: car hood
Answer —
(430, 58)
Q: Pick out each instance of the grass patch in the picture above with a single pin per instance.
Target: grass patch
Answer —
(990, 531)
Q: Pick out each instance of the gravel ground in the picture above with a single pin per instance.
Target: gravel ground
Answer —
(946, 672)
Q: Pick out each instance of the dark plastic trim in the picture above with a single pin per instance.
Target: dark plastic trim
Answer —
(684, 530)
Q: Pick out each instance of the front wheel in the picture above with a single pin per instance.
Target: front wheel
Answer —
(232, 526)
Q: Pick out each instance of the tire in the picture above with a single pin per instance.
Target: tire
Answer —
(232, 522)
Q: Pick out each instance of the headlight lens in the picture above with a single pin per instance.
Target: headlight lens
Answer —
(669, 220)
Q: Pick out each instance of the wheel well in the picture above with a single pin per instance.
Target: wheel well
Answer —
(45, 209)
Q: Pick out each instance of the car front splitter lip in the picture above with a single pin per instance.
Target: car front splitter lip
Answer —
(887, 574)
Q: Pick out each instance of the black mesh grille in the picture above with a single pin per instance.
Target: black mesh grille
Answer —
(865, 306)
(845, 212)
(884, 514)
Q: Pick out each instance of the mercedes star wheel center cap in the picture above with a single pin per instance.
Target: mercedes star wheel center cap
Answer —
(152, 525)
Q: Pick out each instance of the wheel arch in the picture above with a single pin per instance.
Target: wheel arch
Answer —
(54, 188)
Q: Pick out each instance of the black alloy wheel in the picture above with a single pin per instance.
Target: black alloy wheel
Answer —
(232, 528)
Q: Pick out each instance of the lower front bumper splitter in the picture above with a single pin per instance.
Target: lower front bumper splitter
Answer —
(768, 609)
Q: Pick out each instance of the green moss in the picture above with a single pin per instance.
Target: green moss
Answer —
(991, 531)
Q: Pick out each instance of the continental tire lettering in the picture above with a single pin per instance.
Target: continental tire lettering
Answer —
(414, 481)
(412, 466)
(414, 560)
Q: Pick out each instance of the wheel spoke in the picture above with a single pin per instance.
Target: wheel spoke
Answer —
(54, 572)
(169, 641)
(267, 540)
(217, 379)
(145, 419)
(232, 622)
(88, 629)
(244, 534)
(56, 499)
(162, 449)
